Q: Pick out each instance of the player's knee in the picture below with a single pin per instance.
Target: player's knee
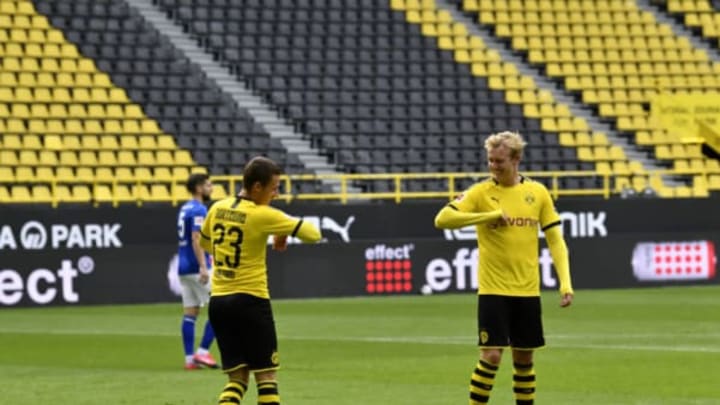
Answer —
(523, 356)
(192, 311)
(241, 375)
(492, 356)
(266, 376)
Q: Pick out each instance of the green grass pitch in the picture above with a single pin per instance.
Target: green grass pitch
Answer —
(644, 347)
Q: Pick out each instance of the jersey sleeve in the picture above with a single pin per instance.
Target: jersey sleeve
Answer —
(279, 223)
(467, 201)
(198, 217)
(548, 215)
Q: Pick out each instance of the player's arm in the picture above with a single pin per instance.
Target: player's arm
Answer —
(198, 218)
(450, 217)
(463, 212)
(205, 237)
(552, 227)
(560, 256)
(280, 224)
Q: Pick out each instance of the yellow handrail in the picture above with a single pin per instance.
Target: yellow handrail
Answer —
(343, 195)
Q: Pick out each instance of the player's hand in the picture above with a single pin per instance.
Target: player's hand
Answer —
(204, 276)
(504, 219)
(566, 300)
(280, 243)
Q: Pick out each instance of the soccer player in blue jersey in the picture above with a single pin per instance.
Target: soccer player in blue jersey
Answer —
(193, 271)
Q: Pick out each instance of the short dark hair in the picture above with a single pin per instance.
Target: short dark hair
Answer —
(259, 169)
(195, 180)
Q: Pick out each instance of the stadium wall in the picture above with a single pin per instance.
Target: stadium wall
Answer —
(77, 255)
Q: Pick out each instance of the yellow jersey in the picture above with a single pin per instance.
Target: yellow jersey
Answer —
(235, 233)
(508, 253)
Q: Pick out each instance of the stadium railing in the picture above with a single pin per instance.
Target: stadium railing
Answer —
(140, 192)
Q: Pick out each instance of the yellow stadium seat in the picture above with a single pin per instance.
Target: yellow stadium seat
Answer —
(70, 141)
(109, 142)
(7, 174)
(104, 174)
(639, 183)
(85, 175)
(159, 192)
(113, 127)
(712, 166)
(77, 111)
(41, 194)
(165, 158)
(146, 158)
(126, 158)
(183, 157)
(166, 142)
(90, 142)
(4, 194)
(131, 127)
(124, 193)
(102, 193)
(28, 158)
(180, 173)
(20, 193)
(124, 174)
(114, 111)
(583, 139)
(65, 174)
(20, 111)
(128, 142)
(48, 158)
(44, 173)
(80, 194)
(24, 174)
(147, 142)
(617, 153)
(107, 158)
(143, 173)
(68, 158)
(8, 157)
(162, 174)
(12, 142)
(88, 158)
(585, 153)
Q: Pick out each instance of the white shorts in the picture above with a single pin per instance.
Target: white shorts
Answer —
(194, 294)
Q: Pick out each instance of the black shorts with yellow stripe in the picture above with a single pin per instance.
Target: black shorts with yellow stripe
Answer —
(510, 321)
(245, 331)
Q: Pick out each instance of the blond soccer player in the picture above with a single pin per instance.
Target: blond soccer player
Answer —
(506, 210)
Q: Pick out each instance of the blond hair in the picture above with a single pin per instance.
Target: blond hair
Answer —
(512, 140)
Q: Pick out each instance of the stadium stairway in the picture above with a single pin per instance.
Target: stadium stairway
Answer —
(465, 40)
(616, 57)
(699, 16)
(165, 89)
(254, 105)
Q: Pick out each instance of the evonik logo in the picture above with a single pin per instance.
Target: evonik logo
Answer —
(34, 235)
(575, 225)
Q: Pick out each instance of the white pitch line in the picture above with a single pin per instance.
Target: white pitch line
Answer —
(430, 340)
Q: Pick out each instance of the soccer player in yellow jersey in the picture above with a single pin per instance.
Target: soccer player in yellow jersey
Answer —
(507, 210)
(235, 232)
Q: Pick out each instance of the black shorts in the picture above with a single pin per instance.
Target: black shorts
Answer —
(510, 321)
(245, 332)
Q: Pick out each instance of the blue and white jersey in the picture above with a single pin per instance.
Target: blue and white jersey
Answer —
(190, 218)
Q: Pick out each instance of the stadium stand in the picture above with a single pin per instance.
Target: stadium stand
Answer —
(170, 89)
(371, 90)
(64, 121)
(617, 58)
